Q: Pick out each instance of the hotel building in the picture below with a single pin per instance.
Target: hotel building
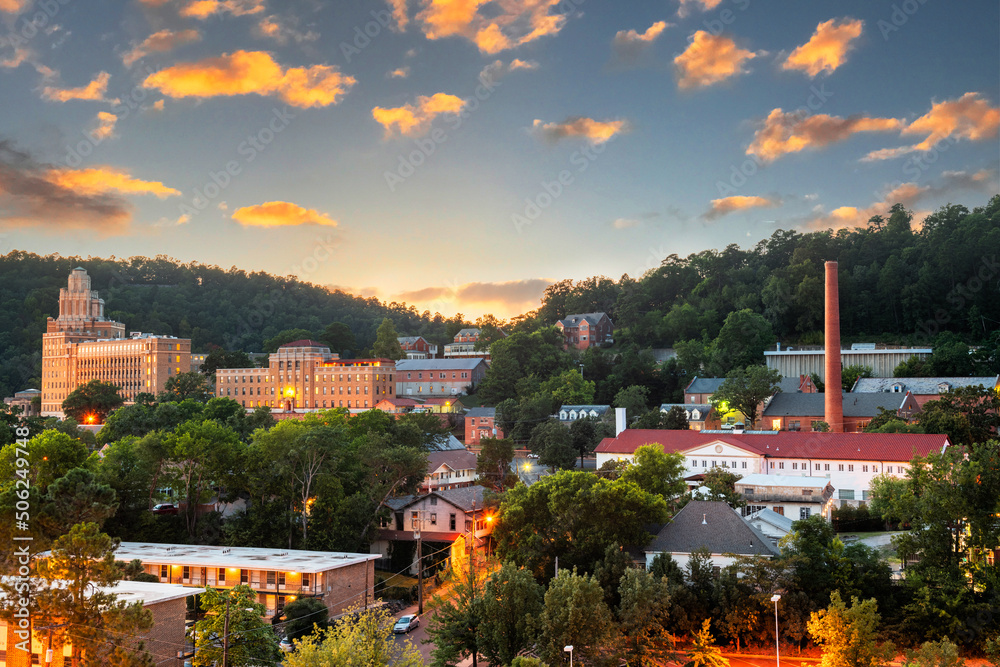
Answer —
(82, 344)
(305, 375)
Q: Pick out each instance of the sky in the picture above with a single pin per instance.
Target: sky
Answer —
(461, 155)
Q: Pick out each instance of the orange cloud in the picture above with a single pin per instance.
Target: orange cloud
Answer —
(909, 195)
(399, 73)
(273, 28)
(399, 13)
(505, 25)
(727, 205)
(700, 5)
(498, 69)
(159, 42)
(783, 133)
(93, 91)
(105, 125)
(504, 299)
(968, 117)
(280, 214)
(13, 6)
(103, 180)
(202, 9)
(827, 49)
(710, 59)
(415, 119)
(628, 45)
(252, 72)
(595, 131)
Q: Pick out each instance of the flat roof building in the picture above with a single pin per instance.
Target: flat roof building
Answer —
(278, 576)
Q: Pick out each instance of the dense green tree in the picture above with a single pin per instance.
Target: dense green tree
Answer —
(454, 628)
(968, 415)
(493, 464)
(511, 609)
(586, 433)
(92, 402)
(340, 338)
(304, 616)
(851, 374)
(635, 400)
(202, 456)
(643, 616)
(220, 358)
(186, 385)
(252, 640)
(703, 651)
(387, 342)
(721, 485)
(553, 444)
(741, 342)
(569, 388)
(575, 516)
(744, 389)
(76, 497)
(575, 614)
(657, 472)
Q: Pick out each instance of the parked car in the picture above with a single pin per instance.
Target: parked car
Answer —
(165, 508)
(406, 623)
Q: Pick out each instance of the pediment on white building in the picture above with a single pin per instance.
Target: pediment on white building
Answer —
(718, 448)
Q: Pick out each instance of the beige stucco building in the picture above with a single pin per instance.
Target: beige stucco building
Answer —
(82, 344)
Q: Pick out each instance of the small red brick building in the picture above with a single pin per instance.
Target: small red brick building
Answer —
(480, 423)
(585, 330)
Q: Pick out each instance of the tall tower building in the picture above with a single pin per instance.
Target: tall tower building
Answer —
(82, 344)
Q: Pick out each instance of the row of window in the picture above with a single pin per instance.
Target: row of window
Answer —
(271, 577)
(840, 467)
(725, 464)
(442, 376)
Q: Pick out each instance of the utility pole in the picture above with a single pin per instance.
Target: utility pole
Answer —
(225, 637)
(50, 628)
(420, 575)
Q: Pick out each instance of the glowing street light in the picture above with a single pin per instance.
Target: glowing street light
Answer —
(569, 649)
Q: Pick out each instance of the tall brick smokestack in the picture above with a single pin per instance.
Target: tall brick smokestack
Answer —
(834, 402)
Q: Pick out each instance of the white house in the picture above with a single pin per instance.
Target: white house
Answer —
(450, 469)
(570, 413)
(712, 525)
(795, 497)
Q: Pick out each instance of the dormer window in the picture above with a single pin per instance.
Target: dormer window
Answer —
(695, 415)
(897, 388)
(944, 388)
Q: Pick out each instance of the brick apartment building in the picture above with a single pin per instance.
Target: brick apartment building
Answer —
(167, 603)
(341, 580)
(423, 378)
(304, 375)
(417, 347)
(480, 423)
(82, 344)
(585, 330)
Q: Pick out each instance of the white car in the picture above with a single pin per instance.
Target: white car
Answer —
(406, 623)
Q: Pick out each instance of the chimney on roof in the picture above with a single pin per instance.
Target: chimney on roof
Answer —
(833, 399)
(619, 421)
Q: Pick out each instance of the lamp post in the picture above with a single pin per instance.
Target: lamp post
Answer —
(569, 649)
(777, 655)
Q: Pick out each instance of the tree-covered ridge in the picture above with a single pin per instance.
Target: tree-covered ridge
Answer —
(898, 283)
(232, 309)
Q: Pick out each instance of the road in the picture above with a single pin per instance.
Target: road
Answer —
(418, 635)
(737, 660)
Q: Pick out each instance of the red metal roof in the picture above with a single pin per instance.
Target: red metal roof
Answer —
(787, 444)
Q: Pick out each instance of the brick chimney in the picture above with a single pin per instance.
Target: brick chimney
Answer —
(834, 412)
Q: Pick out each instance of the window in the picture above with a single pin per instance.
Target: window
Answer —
(846, 494)
(826, 466)
(222, 575)
(434, 500)
(281, 578)
(186, 572)
(244, 576)
(840, 467)
(850, 467)
(434, 518)
(778, 509)
(749, 490)
(817, 466)
(795, 466)
(451, 522)
(864, 468)
(803, 513)
(270, 579)
(704, 464)
(164, 573)
(713, 464)
(744, 465)
(889, 470)
(781, 465)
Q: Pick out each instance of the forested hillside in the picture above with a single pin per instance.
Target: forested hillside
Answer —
(231, 308)
(900, 282)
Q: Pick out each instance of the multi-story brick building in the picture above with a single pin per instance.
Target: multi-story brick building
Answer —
(480, 423)
(341, 580)
(304, 375)
(423, 378)
(82, 344)
(585, 330)
(464, 345)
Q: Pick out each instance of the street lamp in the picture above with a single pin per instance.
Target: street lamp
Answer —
(777, 655)
(569, 649)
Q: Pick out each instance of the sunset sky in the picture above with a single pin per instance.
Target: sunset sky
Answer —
(462, 154)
